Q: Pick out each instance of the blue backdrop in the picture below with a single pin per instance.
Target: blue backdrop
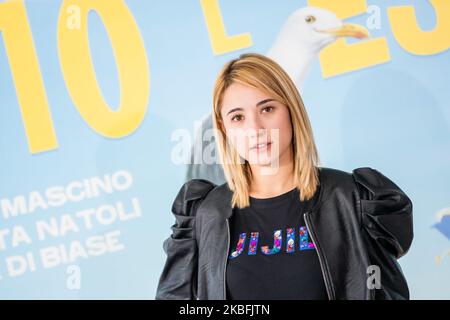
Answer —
(85, 207)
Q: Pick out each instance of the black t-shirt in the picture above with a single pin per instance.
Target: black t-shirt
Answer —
(271, 254)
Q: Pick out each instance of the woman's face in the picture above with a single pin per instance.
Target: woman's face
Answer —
(257, 125)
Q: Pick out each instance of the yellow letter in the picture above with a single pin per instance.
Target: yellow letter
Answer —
(27, 77)
(411, 37)
(79, 73)
(220, 41)
(340, 57)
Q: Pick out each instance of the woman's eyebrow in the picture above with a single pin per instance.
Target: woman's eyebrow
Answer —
(258, 104)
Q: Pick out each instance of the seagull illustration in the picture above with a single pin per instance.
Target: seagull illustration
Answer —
(305, 33)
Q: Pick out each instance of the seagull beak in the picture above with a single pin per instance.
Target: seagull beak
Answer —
(349, 30)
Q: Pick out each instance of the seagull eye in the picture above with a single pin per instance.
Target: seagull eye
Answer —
(310, 19)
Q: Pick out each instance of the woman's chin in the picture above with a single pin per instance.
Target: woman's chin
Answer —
(262, 160)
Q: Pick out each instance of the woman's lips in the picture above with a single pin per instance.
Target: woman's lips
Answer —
(262, 147)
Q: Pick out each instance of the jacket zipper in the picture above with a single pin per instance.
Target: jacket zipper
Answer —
(319, 253)
(225, 263)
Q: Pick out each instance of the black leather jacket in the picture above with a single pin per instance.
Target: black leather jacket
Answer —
(355, 220)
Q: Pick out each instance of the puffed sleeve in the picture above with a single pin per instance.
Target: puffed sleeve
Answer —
(386, 210)
(387, 223)
(177, 280)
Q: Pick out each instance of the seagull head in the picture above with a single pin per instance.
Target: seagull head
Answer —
(317, 27)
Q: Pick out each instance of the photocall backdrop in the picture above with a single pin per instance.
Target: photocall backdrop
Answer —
(99, 98)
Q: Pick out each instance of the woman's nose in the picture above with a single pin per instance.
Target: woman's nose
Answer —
(255, 123)
(255, 128)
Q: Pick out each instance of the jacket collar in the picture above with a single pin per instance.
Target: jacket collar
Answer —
(224, 200)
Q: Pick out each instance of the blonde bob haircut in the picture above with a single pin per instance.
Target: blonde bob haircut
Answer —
(260, 72)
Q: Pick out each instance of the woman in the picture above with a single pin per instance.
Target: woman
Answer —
(282, 227)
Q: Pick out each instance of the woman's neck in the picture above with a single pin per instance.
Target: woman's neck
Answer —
(271, 185)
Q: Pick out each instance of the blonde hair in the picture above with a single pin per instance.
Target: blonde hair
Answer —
(261, 72)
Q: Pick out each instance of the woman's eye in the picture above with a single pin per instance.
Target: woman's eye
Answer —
(268, 109)
(236, 117)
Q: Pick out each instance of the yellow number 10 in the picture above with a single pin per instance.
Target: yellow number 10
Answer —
(77, 69)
